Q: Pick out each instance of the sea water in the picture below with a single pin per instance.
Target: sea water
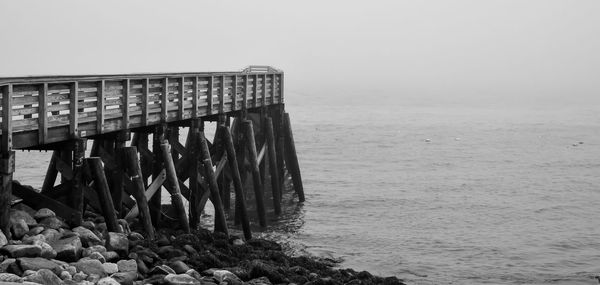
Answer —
(440, 194)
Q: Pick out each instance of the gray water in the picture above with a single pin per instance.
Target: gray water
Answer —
(495, 196)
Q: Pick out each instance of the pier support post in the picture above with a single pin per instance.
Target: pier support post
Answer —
(173, 187)
(273, 169)
(194, 168)
(51, 173)
(240, 200)
(76, 197)
(256, 179)
(132, 166)
(220, 221)
(7, 168)
(292, 158)
(155, 202)
(94, 164)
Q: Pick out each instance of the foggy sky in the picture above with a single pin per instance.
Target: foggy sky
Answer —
(535, 50)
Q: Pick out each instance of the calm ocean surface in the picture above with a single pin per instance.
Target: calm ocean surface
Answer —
(497, 196)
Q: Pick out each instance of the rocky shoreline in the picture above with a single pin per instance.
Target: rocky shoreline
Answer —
(44, 250)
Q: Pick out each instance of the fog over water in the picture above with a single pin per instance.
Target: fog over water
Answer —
(506, 93)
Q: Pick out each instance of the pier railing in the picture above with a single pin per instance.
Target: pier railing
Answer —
(42, 110)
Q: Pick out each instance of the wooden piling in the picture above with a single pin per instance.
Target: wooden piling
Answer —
(220, 221)
(7, 168)
(76, 196)
(95, 167)
(51, 173)
(273, 169)
(252, 156)
(173, 186)
(292, 158)
(240, 200)
(194, 169)
(132, 166)
(155, 202)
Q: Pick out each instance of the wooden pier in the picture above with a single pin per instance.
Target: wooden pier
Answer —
(124, 171)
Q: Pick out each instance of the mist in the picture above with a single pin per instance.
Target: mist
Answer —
(445, 52)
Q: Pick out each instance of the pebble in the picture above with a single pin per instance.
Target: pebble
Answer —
(90, 266)
(98, 256)
(3, 239)
(117, 242)
(107, 281)
(65, 275)
(36, 263)
(181, 279)
(79, 276)
(43, 276)
(88, 238)
(127, 265)
(68, 249)
(53, 223)
(110, 268)
(17, 215)
(19, 229)
(9, 277)
(22, 250)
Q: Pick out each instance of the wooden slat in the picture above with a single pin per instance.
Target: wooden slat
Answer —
(164, 100)
(222, 96)
(126, 84)
(73, 118)
(181, 97)
(100, 107)
(42, 121)
(234, 93)
(245, 96)
(6, 119)
(145, 87)
(209, 95)
(195, 98)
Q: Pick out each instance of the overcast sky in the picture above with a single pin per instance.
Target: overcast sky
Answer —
(446, 50)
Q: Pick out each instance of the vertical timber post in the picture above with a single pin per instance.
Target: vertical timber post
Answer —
(273, 169)
(94, 164)
(7, 167)
(132, 166)
(252, 155)
(220, 221)
(155, 202)
(292, 158)
(173, 187)
(195, 195)
(76, 196)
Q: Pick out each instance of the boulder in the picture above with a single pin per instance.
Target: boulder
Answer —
(123, 223)
(135, 236)
(3, 239)
(126, 278)
(107, 281)
(195, 274)
(6, 263)
(53, 223)
(19, 229)
(259, 281)
(110, 255)
(90, 266)
(181, 279)
(79, 276)
(88, 225)
(19, 215)
(47, 250)
(36, 263)
(117, 242)
(162, 269)
(22, 250)
(110, 268)
(35, 230)
(68, 249)
(179, 267)
(44, 213)
(9, 277)
(88, 238)
(44, 276)
(127, 265)
(65, 275)
(98, 256)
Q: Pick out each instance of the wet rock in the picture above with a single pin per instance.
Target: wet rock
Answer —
(22, 250)
(47, 250)
(194, 273)
(68, 249)
(127, 265)
(179, 267)
(226, 276)
(3, 239)
(44, 213)
(98, 256)
(181, 279)
(79, 276)
(189, 249)
(89, 225)
(94, 278)
(259, 268)
(117, 242)
(6, 263)
(162, 269)
(110, 256)
(44, 276)
(90, 266)
(36, 263)
(65, 275)
(126, 278)
(123, 223)
(35, 230)
(19, 215)
(51, 235)
(107, 281)
(88, 238)
(135, 236)
(19, 229)
(96, 248)
(110, 268)
(31, 239)
(264, 244)
(259, 281)
(9, 277)
(71, 269)
(238, 242)
(163, 241)
(53, 223)
(142, 268)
